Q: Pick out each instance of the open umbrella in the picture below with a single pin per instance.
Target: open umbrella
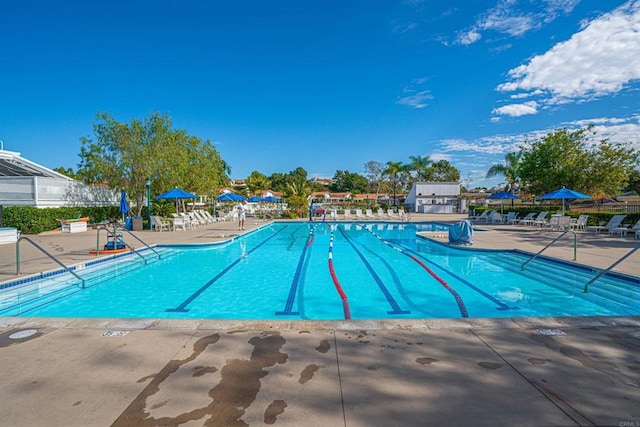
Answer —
(230, 197)
(254, 199)
(563, 194)
(502, 195)
(270, 199)
(176, 194)
(124, 206)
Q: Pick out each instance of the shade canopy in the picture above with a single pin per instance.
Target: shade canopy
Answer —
(503, 195)
(230, 197)
(563, 194)
(255, 199)
(270, 199)
(177, 193)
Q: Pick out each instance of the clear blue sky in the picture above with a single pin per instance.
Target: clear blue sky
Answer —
(322, 84)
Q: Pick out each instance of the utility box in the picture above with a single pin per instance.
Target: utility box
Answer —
(137, 223)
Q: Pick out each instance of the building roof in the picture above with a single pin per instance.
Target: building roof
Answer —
(11, 164)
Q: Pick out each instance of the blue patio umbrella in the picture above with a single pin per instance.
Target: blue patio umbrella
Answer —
(230, 197)
(255, 199)
(270, 199)
(563, 194)
(124, 205)
(503, 195)
(176, 194)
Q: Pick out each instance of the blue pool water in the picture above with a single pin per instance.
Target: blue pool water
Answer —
(283, 271)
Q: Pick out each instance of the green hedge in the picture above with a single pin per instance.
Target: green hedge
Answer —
(32, 220)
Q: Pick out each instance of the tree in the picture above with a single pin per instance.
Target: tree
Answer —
(443, 171)
(66, 172)
(297, 194)
(257, 182)
(345, 181)
(634, 182)
(420, 166)
(570, 159)
(510, 170)
(124, 155)
(374, 171)
(393, 170)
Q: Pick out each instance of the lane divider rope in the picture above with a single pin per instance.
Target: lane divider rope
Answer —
(461, 306)
(345, 301)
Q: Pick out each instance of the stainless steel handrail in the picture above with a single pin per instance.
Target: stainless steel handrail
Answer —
(139, 240)
(603, 272)
(60, 263)
(575, 247)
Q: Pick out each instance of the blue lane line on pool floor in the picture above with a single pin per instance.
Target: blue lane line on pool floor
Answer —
(288, 307)
(500, 304)
(182, 307)
(385, 291)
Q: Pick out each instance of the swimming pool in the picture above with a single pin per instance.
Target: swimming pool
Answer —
(322, 271)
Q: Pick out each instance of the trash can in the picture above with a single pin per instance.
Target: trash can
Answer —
(128, 223)
(137, 223)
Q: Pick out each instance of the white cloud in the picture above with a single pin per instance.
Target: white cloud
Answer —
(505, 17)
(601, 59)
(517, 110)
(417, 97)
(417, 100)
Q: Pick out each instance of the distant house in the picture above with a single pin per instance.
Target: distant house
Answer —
(434, 197)
(25, 183)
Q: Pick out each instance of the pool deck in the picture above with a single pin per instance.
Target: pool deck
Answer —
(494, 372)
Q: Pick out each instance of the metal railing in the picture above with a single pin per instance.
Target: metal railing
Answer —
(44, 251)
(575, 247)
(118, 238)
(603, 272)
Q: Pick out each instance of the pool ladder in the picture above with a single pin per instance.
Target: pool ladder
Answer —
(117, 237)
(575, 247)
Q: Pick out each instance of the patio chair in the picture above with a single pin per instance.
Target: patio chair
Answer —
(359, 214)
(511, 218)
(495, 218)
(560, 222)
(623, 229)
(482, 217)
(540, 220)
(614, 222)
(528, 219)
(333, 215)
(157, 224)
(380, 213)
(369, 214)
(178, 222)
(347, 214)
(391, 213)
(580, 223)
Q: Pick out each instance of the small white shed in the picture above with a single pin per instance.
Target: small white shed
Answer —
(434, 197)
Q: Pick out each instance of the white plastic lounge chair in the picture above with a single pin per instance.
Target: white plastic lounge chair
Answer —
(482, 217)
(623, 229)
(614, 222)
(580, 223)
(369, 214)
(157, 224)
(391, 213)
(560, 222)
(528, 219)
(540, 220)
(359, 214)
(495, 218)
(511, 218)
(380, 213)
(178, 222)
(347, 214)
(333, 215)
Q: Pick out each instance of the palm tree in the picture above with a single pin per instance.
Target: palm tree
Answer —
(419, 165)
(392, 171)
(510, 170)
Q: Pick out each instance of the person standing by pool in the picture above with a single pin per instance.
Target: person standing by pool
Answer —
(242, 214)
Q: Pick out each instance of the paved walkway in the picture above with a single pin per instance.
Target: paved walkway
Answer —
(493, 372)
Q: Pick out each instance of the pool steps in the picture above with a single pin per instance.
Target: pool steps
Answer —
(572, 280)
(22, 298)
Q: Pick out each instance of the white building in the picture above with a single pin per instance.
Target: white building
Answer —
(435, 197)
(25, 183)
